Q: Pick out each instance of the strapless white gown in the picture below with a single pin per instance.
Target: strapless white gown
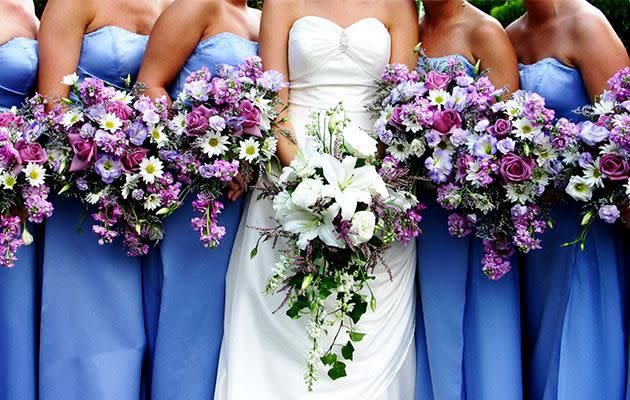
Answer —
(263, 355)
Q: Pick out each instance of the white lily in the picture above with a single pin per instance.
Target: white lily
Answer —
(309, 225)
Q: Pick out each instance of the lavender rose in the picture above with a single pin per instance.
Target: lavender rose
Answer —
(120, 109)
(444, 121)
(197, 121)
(436, 80)
(501, 128)
(396, 119)
(132, 159)
(84, 152)
(614, 166)
(514, 168)
(250, 119)
(31, 152)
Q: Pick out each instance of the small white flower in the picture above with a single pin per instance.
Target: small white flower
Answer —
(439, 97)
(249, 150)
(519, 193)
(157, 135)
(269, 147)
(71, 79)
(93, 198)
(417, 147)
(131, 182)
(8, 180)
(579, 189)
(178, 124)
(123, 96)
(213, 144)
(524, 129)
(604, 107)
(307, 193)
(150, 169)
(110, 122)
(513, 108)
(35, 174)
(593, 176)
(152, 202)
(363, 223)
(359, 142)
(399, 150)
(71, 117)
(627, 186)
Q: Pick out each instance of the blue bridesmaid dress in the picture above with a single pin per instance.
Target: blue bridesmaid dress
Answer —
(575, 312)
(468, 330)
(19, 287)
(190, 279)
(92, 323)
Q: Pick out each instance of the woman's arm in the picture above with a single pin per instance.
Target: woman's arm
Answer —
(60, 39)
(171, 42)
(492, 46)
(277, 19)
(404, 31)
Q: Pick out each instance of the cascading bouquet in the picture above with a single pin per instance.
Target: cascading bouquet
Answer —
(489, 160)
(224, 127)
(596, 155)
(337, 214)
(110, 150)
(24, 179)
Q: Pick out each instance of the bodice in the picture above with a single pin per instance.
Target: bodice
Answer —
(329, 63)
(442, 63)
(222, 48)
(560, 85)
(111, 54)
(18, 59)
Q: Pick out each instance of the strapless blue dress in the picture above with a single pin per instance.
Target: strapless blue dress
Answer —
(19, 287)
(468, 332)
(92, 322)
(575, 325)
(185, 287)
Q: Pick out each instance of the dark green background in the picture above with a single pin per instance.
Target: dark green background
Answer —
(506, 11)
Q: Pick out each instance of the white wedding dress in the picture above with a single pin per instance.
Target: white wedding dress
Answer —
(263, 355)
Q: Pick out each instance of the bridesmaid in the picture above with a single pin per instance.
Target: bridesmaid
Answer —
(468, 328)
(575, 326)
(19, 287)
(92, 325)
(185, 283)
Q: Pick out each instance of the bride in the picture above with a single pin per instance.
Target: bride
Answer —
(331, 51)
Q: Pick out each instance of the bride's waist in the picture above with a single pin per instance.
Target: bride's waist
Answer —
(354, 98)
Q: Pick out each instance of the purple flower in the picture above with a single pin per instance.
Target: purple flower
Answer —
(459, 226)
(436, 80)
(197, 121)
(216, 123)
(614, 166)
(585, 160)
(31, 152)
(84, 152)
(137, 133)
(249, 120)
(501, 128)
(445, 121)
(109, 168)
(514, 168)
(133, 157)
(119, 109)
(609, 213)
(439, 165)
(87, 131)
(81, 184)
(485, 146)
(433, 138)
(271, 80)
(593, 134)
(506, 145)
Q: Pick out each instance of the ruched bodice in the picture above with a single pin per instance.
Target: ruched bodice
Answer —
(328, 63)
(111, 54)
(561, 86)
(18, 59)
(222, 48)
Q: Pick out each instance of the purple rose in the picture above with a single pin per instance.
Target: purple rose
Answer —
(31, 152)
(514, 168)
(250, 119)
(396, 120)
(119, 109)
(444, 121)
(84, 152)
(436, 80)
(614, 166)
(133, 157)
(197, 121)
(7, 118)
(501, 128)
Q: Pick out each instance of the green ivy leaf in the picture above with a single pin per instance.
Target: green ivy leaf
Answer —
(337, 371)
(347, 351)
(359, 309)
(329, 359)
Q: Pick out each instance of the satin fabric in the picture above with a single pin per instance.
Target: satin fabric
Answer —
(468, 334)
(185, 288)
(19, 286)
(575, 301)
(92, 324)
(263, 354)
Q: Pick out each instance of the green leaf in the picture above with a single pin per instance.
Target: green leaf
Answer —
(254, 252)
(329, 359)
(356, 336)
(347, 351)
(359, 309)
(337, 371)
(308, 279)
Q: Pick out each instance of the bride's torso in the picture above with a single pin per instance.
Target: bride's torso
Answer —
(329, 64)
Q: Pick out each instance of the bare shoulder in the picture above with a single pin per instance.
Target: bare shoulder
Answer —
(588, 23)
(516, 28)
(289, 6)
(395, 8)
(83, 9)
(486, 27)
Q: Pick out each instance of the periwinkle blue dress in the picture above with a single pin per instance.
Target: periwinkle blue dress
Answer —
(575, 313)
(19, 287)
(191, 278)
(468, 333)
(92, 322)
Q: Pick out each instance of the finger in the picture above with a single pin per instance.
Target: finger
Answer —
(239, 179)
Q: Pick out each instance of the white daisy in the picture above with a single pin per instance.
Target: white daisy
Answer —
(110, 122)
(593, 176)
(518, 193)
(157, 135)
(417, 147)
(150, 169)
(93, 198)
(269, 147)
(399, 150)
(71, 117)
(524, 129)
(439, 97)
(35, 174)
(8, 180)
(178, 124)
(213, 144)
(603, 107)
(71, 79)
(152, 202)
(249, 150)
(123, 96)
(513, 108)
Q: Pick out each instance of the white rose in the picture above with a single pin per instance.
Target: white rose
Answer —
(359, 143)
(363, 223)
(307, 193)
(417, 147)
(579, 189)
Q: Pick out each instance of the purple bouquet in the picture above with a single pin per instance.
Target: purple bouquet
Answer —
(23, 176)
(595, 155)
(489, 160)
(110, 149)
(223, 127)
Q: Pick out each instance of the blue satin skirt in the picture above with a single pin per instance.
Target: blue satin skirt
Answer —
(19, 324)
(92, 326)
(184, 286)
(468, 331)
(576, 313)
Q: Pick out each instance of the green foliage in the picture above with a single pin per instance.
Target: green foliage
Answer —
(508, 11)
